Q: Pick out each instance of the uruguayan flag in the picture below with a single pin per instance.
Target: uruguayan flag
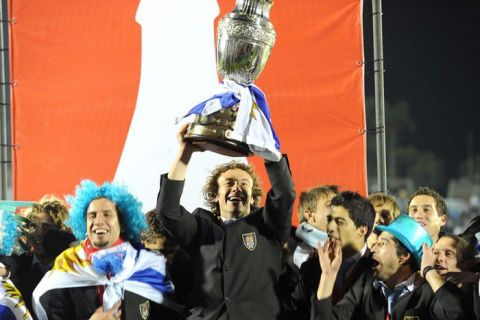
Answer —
(253, 124)
(12, 305)
(143, 273)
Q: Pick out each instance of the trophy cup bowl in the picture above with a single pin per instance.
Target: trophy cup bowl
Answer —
(245, 39)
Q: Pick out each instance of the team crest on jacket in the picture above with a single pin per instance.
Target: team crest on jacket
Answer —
(249, 240)
(144, 309)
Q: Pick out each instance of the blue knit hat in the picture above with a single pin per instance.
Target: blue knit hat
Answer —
(409, 233)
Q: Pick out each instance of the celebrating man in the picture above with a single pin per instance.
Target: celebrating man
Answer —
(392, 289)
(104, 276)
(236, 247)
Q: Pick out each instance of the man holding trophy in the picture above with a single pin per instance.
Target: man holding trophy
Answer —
(236, 246)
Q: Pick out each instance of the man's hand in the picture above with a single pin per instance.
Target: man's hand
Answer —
(428, 258)
(178, 169)
(434, 279)
(114, 313)
(184, 145)
(330, 256)
(3, 272)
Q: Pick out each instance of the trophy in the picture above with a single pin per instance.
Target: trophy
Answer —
(245, 38)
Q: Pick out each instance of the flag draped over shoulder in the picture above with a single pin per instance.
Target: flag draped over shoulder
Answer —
(12, 305)
(142, 272)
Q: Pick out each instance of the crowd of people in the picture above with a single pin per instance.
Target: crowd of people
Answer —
(351, 257)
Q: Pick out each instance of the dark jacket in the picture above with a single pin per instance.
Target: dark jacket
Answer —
(81, 302)
(235, 266)
(309, 277)
(365, 302)
(25, 275)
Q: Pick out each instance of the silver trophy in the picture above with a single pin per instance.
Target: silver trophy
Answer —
(245, 38)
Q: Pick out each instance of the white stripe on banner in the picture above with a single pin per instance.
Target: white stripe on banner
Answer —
(177, 72)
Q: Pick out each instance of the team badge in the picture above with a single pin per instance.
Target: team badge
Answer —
(144, 309)
(249, 240)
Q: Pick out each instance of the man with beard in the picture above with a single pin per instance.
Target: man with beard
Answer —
(392, 289)
(236, 248)
(106, 276)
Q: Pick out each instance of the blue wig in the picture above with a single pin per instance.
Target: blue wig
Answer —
(9, 232)
(131, 215)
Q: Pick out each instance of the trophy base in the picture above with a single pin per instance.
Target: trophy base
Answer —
(214, 138)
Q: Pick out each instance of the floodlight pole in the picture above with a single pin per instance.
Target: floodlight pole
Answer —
(379, 95)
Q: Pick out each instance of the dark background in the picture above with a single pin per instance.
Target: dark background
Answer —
(432, 66)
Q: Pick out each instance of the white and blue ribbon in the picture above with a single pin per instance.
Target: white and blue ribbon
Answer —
(253, 124)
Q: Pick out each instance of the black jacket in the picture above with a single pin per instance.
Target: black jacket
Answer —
(235, 266)
(80, 303)
(365, 302)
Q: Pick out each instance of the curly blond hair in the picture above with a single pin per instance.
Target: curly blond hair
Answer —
(210, 190)
(54, 207)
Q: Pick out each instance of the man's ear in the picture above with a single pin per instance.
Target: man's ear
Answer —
(405, 259)
(362, 231)
(307, 214)
(443, 219)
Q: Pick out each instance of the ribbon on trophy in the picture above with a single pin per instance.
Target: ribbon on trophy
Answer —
(253, 124)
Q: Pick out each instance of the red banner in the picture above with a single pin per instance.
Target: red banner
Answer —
(99, 84)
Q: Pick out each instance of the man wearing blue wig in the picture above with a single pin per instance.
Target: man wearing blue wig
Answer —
(236, 246)
(105, 276)
(393, 289)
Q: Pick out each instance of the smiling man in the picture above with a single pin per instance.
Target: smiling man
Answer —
(392, 289)
(236, 246)
(429, 209)
(105, 276)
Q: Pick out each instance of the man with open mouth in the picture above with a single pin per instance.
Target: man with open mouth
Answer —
(392, 289)
(236, 246)
(107, 275)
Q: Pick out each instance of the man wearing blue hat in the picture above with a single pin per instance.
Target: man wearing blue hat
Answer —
(392, 289)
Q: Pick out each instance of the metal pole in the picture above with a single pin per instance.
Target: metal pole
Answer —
(5, 151)
(379, 95)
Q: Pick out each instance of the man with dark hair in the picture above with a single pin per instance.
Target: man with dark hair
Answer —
(236, 247)
(391, 289)
(105, 276)
(429, 209)
(350, 222)
(452, 259)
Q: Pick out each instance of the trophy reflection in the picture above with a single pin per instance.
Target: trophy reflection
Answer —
(235, 121)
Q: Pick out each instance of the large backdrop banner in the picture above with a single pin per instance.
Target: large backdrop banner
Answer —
(99, 86)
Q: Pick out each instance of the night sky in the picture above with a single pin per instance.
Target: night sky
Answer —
(432, 62)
